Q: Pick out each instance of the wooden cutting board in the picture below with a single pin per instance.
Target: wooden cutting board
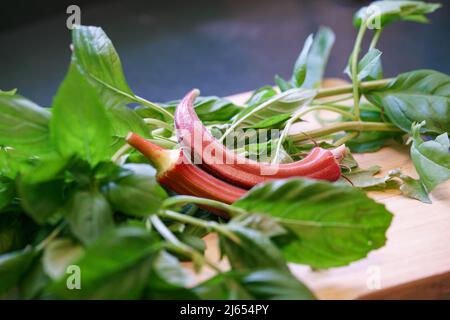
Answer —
(414, 264)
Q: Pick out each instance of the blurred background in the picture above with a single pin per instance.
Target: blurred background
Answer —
(222, 46)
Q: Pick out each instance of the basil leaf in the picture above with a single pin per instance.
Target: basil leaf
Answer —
(318, 57)
(114, 267)
(12, 266)
(41, 200)
(254, 249)
(414, 189)
(389, 11)
(24, 125)
(274, 122)
(409, 187)
(283, 103)
(58, 255)
(260, 95)
(266, 284)
(223, 286)
(79, 124)
(416, 96)
(282, 84)
(431, 158)
(209, 108)
(89, 215)
(299, 72)
(8, 93)
(97, 59)
(329, 225)
(369, 67)
(275, 285)
(136, 191)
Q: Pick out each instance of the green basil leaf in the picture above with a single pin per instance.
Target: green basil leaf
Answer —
(41, 200)
(299, 72)
(282, 84)
(79, 123)
(329, 225)
(24, 125)
(97, 59)
(416, 96)
(266, 284)
(414, 189)
(59, 254)
(89, 215)
(365, 178)
(260, 95)
(210, 108)
(136, 191)
(12, 267)
(223, 286)
(431, 158)
(114, 267)
(389, 11)
(275, 285)
(254, 249)
(369, 67)
(318, 57)
(274, 122)
(8, 92)
(283, 103)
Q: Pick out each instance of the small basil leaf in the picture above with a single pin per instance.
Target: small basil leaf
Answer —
(431, 158)
(41, 200)
(282, 84)
(266, 284)
(318, 57)
(416, 96)
(210, 108)
(283, 103)
(89, 215)
(329, 225)
(24, 125)
(8, 92)
(79, 123)
(275, 285)
(369, 67)
(260, 95)
(274, 122)
(136, 191)
(299, 72)
(386, 12)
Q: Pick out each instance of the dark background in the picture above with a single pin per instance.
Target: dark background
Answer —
(222, 47)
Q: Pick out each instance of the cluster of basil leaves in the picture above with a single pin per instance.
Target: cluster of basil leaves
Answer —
(63, 201)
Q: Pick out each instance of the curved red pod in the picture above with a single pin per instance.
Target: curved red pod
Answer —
(214, 157)
(179, 175)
